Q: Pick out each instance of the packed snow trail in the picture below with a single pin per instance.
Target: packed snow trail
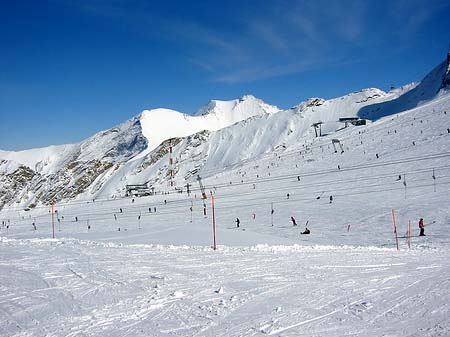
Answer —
(81, 288)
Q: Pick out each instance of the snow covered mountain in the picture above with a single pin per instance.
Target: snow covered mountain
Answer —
(66, 171)
(220, 135)
(145, 266)
(161, 124)
(436, 83)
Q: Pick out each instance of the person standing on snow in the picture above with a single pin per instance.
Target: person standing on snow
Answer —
(294, 223)
(422, 227)
(238, 222)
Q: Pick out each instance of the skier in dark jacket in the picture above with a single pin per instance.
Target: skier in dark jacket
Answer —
(422, 227)
(294, 223)
(238, 222)
(306, 231)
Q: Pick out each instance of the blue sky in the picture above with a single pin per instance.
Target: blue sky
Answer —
(70, 68)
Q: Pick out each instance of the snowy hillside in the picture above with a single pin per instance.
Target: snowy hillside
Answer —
(113, 269)
(66, 171)
(59, 172)
(221, 134)
(435, 83)
(144, 266)
(161, 124)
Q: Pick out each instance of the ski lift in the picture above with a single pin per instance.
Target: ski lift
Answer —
(336, 141)
(202, 188)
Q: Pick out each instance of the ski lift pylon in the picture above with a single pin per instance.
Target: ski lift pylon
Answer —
(202, 188)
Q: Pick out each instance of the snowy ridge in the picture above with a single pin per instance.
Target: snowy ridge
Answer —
(411, 96)
(161, 124)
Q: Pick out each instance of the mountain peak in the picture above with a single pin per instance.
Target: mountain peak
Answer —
(248, 96)
(161, 124)
(244, 103)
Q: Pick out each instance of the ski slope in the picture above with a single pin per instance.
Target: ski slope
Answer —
(83, 288)
(144, 266)
(158, 275)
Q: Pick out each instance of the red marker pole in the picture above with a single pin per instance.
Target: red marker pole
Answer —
(53, 219)
(395, 228)
(214, 222)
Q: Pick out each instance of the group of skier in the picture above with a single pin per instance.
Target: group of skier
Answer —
(307, 231)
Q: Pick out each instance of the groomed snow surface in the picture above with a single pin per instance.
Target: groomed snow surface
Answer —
(120, 267)
(81, 288)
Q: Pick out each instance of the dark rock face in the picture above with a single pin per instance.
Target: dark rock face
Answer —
(446, 79)
(14, 183)
(89, 160)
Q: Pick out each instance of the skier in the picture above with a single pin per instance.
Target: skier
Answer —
(120, 210)
(422, 227)
(294, 223)
(331, 199)
(287, 196)
(238, 222)
(76, 219)
(149, 209)
(306, 231)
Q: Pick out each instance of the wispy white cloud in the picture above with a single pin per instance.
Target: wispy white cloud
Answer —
(277, 38)
(268, 34)
(265, 72)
